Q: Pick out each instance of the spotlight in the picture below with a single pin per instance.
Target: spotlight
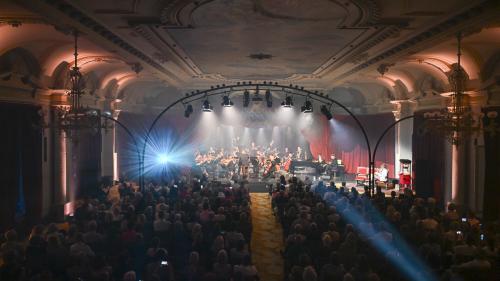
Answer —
(162, 159)
(188, 111)
(246, 98)
(207, 107)
(307, 107)
(269, 98)
(226, 102)
(288, 102)
(256, 96)
(326, 112)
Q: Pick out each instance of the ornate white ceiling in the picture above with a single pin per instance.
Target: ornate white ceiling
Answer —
(181, 45)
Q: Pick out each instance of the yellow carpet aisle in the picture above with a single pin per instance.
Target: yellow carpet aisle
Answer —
(267, 239)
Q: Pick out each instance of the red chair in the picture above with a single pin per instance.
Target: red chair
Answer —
(361, 175)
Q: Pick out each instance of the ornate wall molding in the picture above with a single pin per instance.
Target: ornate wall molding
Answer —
(452, 23)
(77, 15)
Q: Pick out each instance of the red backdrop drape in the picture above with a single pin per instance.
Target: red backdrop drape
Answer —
(344, 138)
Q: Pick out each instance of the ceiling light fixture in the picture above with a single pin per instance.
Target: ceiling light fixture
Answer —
(227, 102)
(246, 98)
(307, 107)
(288, 102)
(326, 112)
(188, 110)
(269, 99)
(207, 107)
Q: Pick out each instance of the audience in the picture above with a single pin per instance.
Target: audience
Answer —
(335, 234)
(166, 232)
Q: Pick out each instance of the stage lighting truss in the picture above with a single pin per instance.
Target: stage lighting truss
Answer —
(307, 107)
(326, 112)
(288, 102)
(226, 101)
(269, 99)
(206, 106)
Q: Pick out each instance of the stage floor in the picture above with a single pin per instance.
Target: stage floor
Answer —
(261, 186)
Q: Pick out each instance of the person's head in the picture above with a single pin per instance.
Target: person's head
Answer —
(246, 260)
(155, 242)
(11, 235)
(92, 225)
(53, 241)
(222, 257)
(194, 258)
(309, 274)
(129, 276)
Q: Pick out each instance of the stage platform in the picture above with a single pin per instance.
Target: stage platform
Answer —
(261, 186)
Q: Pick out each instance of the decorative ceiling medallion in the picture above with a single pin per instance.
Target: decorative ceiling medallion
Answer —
(260, 56)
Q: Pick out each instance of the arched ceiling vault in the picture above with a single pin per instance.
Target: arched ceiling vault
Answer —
(147, 51)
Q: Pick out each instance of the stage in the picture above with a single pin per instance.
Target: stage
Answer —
(262, 186)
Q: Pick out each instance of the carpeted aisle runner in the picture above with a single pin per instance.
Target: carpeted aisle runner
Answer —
(267, 239)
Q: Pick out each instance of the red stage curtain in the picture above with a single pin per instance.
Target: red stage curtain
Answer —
(344, 138)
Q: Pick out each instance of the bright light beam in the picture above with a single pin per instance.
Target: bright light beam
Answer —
(397, 251)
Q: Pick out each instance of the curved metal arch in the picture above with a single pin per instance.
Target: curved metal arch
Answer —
(129, 133)
(290, 89)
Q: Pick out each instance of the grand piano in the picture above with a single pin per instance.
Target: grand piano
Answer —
(302, 169)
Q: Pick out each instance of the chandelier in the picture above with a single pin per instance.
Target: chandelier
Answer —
(74, 118)
(457, 122)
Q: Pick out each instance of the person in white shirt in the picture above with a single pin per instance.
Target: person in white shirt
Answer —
(382, 173)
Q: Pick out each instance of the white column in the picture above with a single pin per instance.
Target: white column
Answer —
(116, 170)
(403, 131)
(48, 190)
(476, 159)
(107, 151)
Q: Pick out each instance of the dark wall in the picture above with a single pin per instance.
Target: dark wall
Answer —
(491, 210)
(428, 161)
(20, 165)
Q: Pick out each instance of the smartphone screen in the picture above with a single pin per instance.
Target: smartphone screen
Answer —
(164, 263)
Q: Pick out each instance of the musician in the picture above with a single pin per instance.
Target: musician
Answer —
(244, 162)
(320, 159)
(299, 154)
(333, 160)
(382, 173)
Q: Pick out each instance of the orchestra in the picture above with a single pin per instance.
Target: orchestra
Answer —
(258, 161)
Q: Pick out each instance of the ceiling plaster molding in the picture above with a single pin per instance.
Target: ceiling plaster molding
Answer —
(177, 55)
(481, 11)
(18, 20)
(82, 18)
(360, 14)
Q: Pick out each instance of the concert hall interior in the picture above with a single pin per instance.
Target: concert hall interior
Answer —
(229, 140)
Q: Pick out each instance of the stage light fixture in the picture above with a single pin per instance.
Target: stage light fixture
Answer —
(307, 107)
(207, 107)
(256, 96)
(325, 111)
(162, 159)
(269, 98)
(288, 102)
(246, 98)
(188, 110)
(226, 101)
